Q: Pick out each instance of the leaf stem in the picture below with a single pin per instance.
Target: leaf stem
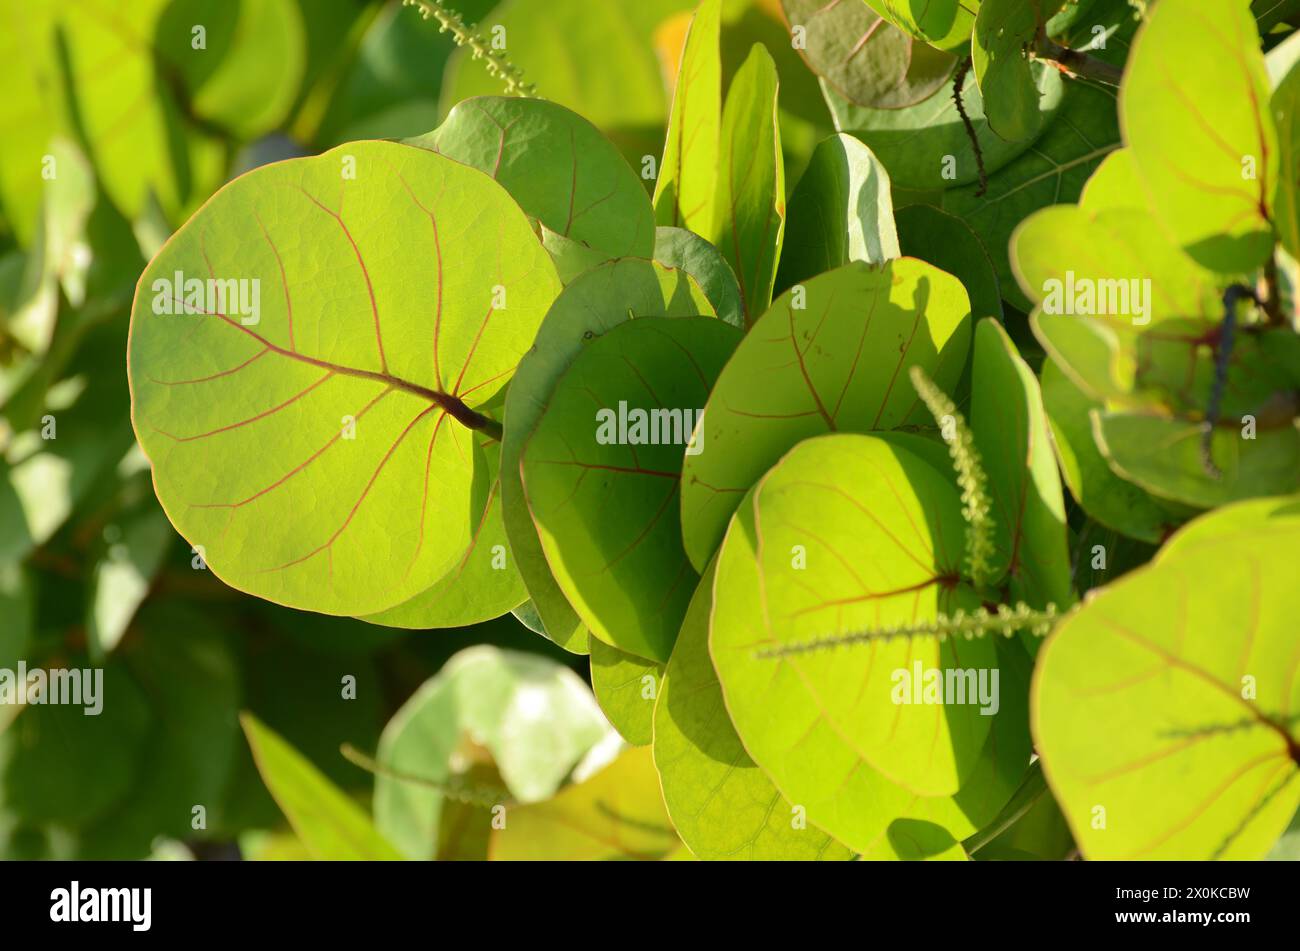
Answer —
(959, 81)
(1077, 63)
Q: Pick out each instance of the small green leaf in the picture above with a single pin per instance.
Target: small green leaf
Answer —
(587, 308)
(946, 24)
(1194, 106)
(687, 251)
(1185, 669)
(749, 215)
(611, 440)
(684, 190)
(815, 364)
(723, 806)
(1003, 31)
(841, 211)
(626, 687)
(330, 825)
(313, 440)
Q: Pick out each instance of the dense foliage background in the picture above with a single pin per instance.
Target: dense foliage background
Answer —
(241, 728)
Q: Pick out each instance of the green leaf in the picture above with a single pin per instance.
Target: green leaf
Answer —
(933, 236)
(946, 24)
(1003, 30)
(840, 211)
(926, 146)
(868, 62)
(1269, 13)
(724, 807)
(121, 577)
(678, 248)
(290, 443)
(1196, 85)
(330, 825)
(485, 583)
(1114, 502)
(749, 215)
(1186, 669)
(587, 308)
(1083, 133)
(534, 718)
(814, 364)
(1011, 432)
(617, 814)
(611, 440)
(805, 558)
(557, 166)
(626, 687)
(688, 174)
(1285, 110)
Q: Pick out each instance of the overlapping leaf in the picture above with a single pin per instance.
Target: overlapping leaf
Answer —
(591, 305)
(626, 687)
(1003, 30)
(832, 354)
(602, 486)
(946, 24)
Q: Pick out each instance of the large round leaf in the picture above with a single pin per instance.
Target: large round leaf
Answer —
(723, 806)
(602, 474)
(1187, 670)
(832, 354)
(591, 305)
(877, 546)
(1201, 133)
(557, 166)
(312, 438)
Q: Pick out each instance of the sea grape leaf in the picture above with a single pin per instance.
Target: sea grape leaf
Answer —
(534, 718)
(883, 546)
(1114, 502)
(603, 493)
(926, 146)
(556, 165)
(946, 24)
(686, 250)
(1187, 668)
(626, 687)
(485, 583)
(1213, 106)
(1054, 171)
(723, 806)
(617, 814)
(684, 190)
(1115, 184)
(866, 59)
(571, 258)
(1285, 109)
(1164, 457)
(1028, 510)
(299, 445)
(841, 211)
(749, 214)
(330, 825)
(830, 355)
(822, 725)
(931, 235)
(1003, 29)
(591, 305)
